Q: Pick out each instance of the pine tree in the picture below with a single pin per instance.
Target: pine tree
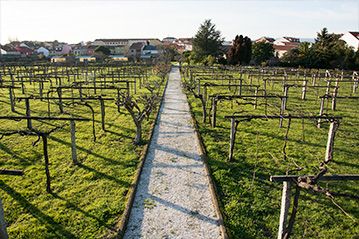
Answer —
(207, 41)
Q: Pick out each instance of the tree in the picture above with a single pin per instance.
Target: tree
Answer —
(328, 51)
(169, 53)
(207, 41)
(241, 51)
(262, 52)
(142, 106)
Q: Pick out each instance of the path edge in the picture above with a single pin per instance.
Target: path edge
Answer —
(212, 185)
(121, 226)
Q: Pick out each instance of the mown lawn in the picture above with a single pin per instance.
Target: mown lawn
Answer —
(249, 201)
(88, 199)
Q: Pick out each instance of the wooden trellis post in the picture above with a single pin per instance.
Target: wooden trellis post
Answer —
(3, 232)
(59, 93)
(304, 89)
(214, 111)
(199, 87)
(334, 125)
(240, 87)
(355, 85)
(334, 98)
(204, 96)
(327, 91)
(102, 104)
(284, 209)
(28, 113)
(73, 142)
(314, 79)
(94, 82)
(46, 161)
(11, 96)
(286, 89)
(255, 98)
(284, 231)
(321, 110)
(41, 87)
(281, 111)
(356, 81)
(22, 86)
(232, 139)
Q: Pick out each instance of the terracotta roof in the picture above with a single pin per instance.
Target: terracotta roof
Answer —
(23, 50)
(286, 47)
(127, 39)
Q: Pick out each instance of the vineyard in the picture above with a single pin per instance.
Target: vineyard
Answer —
(71, 138)
(282, 147)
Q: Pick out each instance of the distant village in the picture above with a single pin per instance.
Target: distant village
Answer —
(142, 49)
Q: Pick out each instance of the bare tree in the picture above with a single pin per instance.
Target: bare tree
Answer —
(141, 107)
(190, 86)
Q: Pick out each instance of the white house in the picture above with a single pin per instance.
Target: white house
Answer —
(284, 45)
(43, 50)
(184, 43)
(283, 41)
(352, 39)
(2, 52)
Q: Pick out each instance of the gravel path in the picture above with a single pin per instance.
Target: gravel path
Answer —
(173, 198)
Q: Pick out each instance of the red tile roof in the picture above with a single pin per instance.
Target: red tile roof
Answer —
(24, 50)
(286, 47)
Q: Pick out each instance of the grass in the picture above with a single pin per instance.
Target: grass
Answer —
(87, 199)
(249, 201)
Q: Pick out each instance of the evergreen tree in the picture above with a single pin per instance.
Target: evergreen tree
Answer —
(207, 41)
(262, 52)
(241, 51)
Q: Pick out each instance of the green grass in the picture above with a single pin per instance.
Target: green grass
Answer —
(249, 201)
(88, 199)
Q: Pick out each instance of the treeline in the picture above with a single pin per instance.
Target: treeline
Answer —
(328, 51)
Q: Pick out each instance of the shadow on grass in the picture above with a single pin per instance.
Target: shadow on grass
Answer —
(86, 151)
(127, 130)
(48, 221)
(7, 150)
(343, 163)
(86, 214)
(104, 176)
(182, 209)
(118, 134)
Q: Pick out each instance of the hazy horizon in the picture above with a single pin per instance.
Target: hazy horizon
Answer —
(76, 21)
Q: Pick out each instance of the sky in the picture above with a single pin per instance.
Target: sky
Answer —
(76, 21)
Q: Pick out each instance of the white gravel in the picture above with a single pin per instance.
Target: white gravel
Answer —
(173, 198)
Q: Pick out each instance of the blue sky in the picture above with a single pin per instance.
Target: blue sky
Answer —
(75, 21)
